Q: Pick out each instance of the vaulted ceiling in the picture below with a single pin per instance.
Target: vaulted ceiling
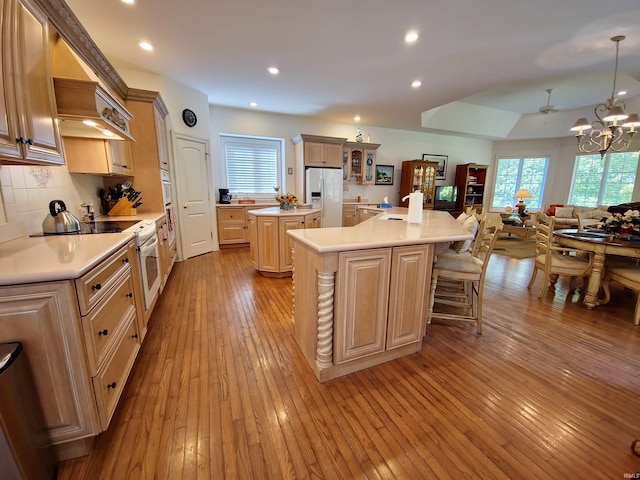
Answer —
(485, 65)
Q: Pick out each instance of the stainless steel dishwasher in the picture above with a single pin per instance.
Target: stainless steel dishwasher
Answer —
(25, 453)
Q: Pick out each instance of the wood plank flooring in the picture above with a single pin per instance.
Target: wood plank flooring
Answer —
(220, 390)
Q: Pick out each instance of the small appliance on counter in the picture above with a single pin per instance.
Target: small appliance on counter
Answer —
(225, 196)
(59, 219)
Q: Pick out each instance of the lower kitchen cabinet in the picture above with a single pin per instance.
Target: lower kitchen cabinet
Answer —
(379, 301)
(81, 339)
(271, 245)
(166, 249)
(233, 223)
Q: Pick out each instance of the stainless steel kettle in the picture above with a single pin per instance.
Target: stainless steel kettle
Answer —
(60, 220)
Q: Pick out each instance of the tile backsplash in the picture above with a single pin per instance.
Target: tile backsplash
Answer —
(25, 193)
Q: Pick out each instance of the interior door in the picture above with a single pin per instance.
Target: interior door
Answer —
(194, 196)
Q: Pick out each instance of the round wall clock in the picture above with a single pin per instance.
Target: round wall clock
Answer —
(189, 117)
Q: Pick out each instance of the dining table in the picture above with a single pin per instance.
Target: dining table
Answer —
(600, 244)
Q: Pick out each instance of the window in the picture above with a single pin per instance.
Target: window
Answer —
(607, 180)
(251, 165)
(512, 174)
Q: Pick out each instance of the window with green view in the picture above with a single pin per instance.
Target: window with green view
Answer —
(512, 174)
(607, 180)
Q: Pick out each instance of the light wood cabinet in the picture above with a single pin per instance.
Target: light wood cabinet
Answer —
(167, 257)
(270, 244)
(471, 179)
(364, 213)
(318, 151)
(107, 298)
(418, 175)
(45, 318)
(98, 156)
(81, 338)
(359, 163)
(29, 133)
(233, 226)
(380, 297)
(348, 215)
(149, 152)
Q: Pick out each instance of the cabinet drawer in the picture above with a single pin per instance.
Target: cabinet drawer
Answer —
(231, 214)
(111, 379)
(101, 326)
(94, 285)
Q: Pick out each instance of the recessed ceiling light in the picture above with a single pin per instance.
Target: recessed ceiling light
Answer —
(273, 70)
(416, 83)
(253, 104)
(622, 92)
(145, 46)
(411, 37)
(107, 133)
(357, 118)
(129, 2)
(90, 123)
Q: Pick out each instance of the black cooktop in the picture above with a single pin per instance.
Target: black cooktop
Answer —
(95, 227)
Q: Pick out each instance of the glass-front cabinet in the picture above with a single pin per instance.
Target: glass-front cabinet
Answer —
(418, 175)
(359, 163)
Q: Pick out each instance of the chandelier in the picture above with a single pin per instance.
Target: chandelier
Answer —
(613, 129)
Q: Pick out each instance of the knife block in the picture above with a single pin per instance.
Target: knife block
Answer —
(122, 207)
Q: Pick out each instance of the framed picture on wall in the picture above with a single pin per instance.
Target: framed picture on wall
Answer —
(384, 174)
(441, 174)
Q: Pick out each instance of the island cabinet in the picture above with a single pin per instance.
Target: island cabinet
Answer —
(359, 308)
(81, 338)
(29, 132)
(269, 243)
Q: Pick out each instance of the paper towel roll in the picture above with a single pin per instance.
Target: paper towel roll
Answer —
(415, 207)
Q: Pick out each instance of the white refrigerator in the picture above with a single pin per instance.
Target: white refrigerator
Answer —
(323, 189)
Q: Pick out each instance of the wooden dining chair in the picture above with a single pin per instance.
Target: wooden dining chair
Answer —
(627, 275)
(552, 259)
(463, 276)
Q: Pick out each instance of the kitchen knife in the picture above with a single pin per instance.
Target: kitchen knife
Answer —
(136, 205)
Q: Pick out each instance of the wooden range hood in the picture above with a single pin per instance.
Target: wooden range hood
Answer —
(80, 100)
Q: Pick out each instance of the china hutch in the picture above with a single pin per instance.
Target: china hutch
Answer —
(418, 175)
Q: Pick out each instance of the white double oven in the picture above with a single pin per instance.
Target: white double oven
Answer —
(149, 259)
(168, 206)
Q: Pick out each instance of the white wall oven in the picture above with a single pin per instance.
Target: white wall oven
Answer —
(149, 259)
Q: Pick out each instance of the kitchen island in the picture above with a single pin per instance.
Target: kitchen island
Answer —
(270, 246)
(360, 293)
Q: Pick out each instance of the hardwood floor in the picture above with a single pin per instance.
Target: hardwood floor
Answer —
(220, 390)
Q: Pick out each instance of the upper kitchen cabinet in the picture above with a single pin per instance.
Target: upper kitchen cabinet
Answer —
(150, 151)
(359, 163)
(317, 151)
(98, 156)
(29, 132)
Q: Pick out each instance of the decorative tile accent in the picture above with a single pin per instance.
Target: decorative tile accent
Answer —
(42, 174)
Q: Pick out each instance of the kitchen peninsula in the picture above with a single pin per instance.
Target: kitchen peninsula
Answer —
(360, 292)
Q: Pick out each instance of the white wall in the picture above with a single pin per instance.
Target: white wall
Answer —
(396, 145)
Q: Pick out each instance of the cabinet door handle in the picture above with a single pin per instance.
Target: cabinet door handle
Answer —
(111, 385)
(129, 295)
(104, 332)
(97, 286)
(125, 260)
(134, 336)
(30, 141)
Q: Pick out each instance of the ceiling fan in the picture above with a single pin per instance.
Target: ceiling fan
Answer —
(548, 108)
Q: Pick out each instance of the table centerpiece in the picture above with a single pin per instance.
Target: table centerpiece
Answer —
(624, 225)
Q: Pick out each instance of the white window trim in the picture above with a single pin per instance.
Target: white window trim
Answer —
(280, 159)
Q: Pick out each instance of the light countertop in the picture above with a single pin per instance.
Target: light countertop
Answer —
(55, 257)
(277, 212)
(61, 257)
(436, 227)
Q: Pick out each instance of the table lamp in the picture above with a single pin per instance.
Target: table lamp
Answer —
(520, 194)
